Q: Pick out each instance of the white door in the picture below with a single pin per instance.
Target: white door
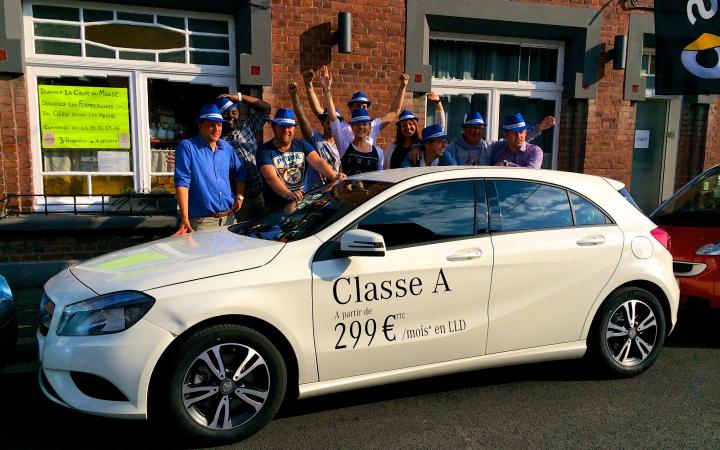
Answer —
(425, 301)
(554, 252)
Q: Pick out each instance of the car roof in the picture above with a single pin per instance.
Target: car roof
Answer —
(550, 176)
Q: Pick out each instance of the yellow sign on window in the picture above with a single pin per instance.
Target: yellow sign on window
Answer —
(84, 117)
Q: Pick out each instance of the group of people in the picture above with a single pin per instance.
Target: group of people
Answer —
(282, 169)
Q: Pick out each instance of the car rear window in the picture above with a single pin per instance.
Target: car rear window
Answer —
(696, 204)
(624, 192)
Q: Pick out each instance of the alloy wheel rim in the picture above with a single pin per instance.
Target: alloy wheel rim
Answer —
(226, 386)
(631, 333)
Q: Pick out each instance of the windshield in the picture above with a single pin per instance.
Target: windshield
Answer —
(312, 213)
(697, 204)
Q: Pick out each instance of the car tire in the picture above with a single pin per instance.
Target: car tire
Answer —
(629, 332)
(225, 382)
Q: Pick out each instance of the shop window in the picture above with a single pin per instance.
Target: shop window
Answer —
(126, 35)
(86, 141)
(467, 60)
(173, 107)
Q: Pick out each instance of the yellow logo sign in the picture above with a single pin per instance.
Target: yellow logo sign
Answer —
(690, 53)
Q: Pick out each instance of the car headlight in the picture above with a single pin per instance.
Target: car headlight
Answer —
(106, 314)
(709, 250)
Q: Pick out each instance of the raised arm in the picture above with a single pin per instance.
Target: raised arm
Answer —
(439, 110)
(255, 103)
(315, 105)
(323, 167)
(326, 82)
(305, 126)
(396, 105)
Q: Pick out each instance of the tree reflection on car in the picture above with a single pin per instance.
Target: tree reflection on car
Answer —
(313, 212)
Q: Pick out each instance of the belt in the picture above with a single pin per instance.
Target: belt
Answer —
(217, 215)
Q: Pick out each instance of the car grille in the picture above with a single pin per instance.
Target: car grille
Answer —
(47, 308)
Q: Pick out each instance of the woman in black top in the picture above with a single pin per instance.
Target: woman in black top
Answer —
(360, 156)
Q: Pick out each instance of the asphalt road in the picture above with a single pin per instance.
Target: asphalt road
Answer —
(676, 404)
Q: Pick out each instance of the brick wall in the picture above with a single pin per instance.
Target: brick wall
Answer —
(691, 148)
(15, 155)
(61, 246)
(302, 38)
(712, 142)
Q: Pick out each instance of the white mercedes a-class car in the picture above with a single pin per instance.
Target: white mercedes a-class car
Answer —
(379, 278)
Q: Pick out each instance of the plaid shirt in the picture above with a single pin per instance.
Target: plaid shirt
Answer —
(244, 142)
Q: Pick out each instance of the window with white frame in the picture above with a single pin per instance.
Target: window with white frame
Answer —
(647, 68)
(497, 76)
(112, 89)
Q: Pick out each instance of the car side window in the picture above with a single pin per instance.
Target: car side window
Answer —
(526, 205)
(586, 213)
(426, 214)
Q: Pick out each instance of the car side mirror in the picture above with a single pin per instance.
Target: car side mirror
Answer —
(361, 243)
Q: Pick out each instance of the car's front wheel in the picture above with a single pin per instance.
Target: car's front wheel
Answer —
(630, 332)
(224, 383)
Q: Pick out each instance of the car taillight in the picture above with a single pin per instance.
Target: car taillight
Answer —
(662, 237)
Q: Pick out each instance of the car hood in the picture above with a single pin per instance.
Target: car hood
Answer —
(174, 260)
(686, 240)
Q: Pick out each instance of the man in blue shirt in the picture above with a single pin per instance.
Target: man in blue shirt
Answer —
(204, 165)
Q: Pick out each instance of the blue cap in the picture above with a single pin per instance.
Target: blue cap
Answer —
(434, 131)
(514, 123)
(284, 118)
(359, 97)
(209, 112)
(360, 115)
(406, 114)
(224, 104)
(324, 115)
(474, 118)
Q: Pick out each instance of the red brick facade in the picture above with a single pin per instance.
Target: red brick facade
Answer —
(15, 155)
(596, 135)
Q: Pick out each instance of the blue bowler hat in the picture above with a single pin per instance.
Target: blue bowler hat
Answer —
(209, 112)
(324, 115)
(474, 118)
(360, 97)
(360, 115)
(434, 131)
(284, 118)
(224, 104)
(514, 123)
(406, 114)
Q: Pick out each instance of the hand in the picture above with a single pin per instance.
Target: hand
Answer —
(308, 76)
(502, 163)
(292, 88)
(170, 158)
(547, 122)
(237, 204)
(234, 97)
(414, 155)
(294, 195)
(340, 176)
(325, 79)
(184, 227)
(433, 97)
(404, 79)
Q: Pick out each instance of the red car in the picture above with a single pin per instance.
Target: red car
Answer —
(692, 218)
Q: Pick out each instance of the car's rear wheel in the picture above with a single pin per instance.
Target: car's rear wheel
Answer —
(629, 333)
(224, 383)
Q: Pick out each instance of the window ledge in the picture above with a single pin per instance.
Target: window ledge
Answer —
(57, 223)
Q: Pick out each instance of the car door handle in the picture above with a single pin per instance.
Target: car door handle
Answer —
(595, 239)
(465, 255)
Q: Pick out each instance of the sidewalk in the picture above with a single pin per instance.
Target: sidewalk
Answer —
(27, 302)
